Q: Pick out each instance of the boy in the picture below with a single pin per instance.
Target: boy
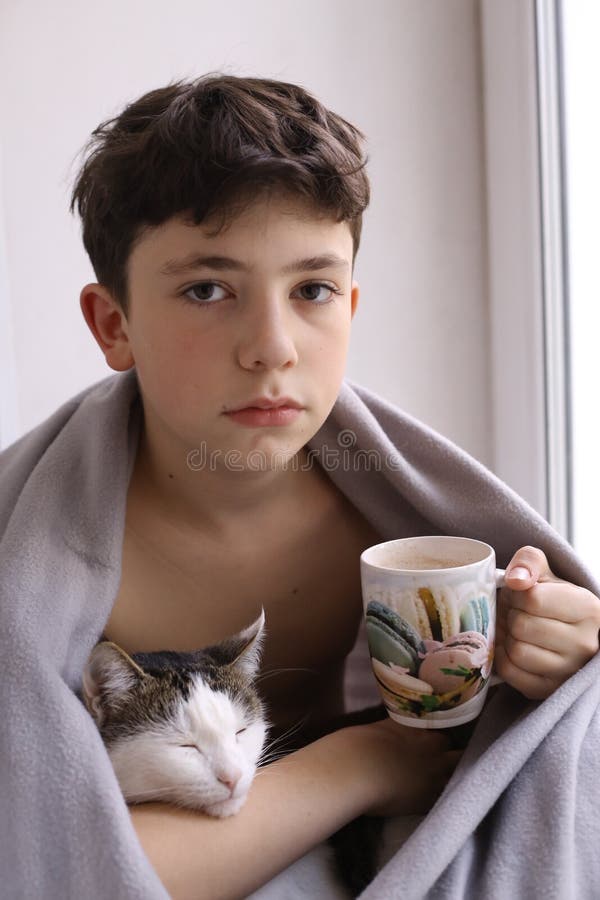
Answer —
(222, 218)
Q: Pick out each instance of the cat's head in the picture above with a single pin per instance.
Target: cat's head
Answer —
(185, 728)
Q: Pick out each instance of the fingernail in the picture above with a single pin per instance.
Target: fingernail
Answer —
(520, 572)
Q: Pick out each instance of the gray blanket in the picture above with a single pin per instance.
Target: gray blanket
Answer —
(518, 818)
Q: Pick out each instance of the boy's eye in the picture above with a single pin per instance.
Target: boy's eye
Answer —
(203, 292)
(314, 288)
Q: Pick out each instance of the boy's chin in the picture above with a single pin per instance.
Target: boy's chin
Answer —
(226, 807)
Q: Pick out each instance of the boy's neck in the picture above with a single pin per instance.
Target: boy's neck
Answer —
(215, 499)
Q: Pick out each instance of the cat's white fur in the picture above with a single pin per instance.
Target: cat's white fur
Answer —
(213, 774)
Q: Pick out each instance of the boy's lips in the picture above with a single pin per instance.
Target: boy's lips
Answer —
(267, 403)
(266, 411)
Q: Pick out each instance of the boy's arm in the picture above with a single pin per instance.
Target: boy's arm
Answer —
(293, 805)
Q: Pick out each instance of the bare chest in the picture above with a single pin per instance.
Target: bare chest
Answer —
(182, 591)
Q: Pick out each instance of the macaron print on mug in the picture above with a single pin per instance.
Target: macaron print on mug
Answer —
(430, 608)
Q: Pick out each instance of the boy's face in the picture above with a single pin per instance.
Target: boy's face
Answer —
(210, 338)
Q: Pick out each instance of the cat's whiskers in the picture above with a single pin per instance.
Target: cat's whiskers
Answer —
(278, 671)
(293, 729)
(271, 758)
(271, 763)
(273, 746)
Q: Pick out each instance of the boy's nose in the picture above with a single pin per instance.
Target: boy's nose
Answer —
(266, 342)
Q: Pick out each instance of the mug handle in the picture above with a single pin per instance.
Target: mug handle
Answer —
(500, 574)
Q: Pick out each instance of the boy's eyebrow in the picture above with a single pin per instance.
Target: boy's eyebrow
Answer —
(223, 263)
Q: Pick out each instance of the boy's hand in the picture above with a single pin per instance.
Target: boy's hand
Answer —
(547, 628)
(403, 769)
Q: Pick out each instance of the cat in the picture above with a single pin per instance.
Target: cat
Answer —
(190, 729)
(184, 728)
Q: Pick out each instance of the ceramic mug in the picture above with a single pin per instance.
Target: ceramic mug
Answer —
(430, 607)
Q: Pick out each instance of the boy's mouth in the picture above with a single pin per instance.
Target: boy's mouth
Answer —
(265, 412)
(267, 403)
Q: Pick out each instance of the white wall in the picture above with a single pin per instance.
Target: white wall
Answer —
(9, 420)
(405, 71)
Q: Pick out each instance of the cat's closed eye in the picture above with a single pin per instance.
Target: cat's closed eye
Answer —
(199, 749)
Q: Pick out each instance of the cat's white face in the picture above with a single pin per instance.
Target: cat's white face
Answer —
(204, 757)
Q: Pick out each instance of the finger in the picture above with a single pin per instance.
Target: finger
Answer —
(534, 687)
(536, 660)
(550, 634)
(559, 600)
(576, 642)
(528, 566)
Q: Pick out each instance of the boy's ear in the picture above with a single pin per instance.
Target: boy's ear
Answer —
(107, 322)
(354, 295)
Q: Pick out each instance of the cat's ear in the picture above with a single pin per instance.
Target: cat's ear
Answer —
(250, 642)
(109, 675)
(242, 650)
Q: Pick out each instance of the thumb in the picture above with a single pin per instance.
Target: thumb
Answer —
(528, 566)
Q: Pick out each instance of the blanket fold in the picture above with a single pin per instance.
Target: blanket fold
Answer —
(527, 784)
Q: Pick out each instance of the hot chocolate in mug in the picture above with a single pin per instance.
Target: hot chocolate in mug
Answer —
(430, 608)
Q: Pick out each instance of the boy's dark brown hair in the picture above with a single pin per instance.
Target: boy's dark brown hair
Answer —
(204, 149)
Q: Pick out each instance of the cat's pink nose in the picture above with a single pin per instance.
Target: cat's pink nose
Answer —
(230, 778)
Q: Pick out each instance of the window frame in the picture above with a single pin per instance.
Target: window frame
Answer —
(526, 253)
